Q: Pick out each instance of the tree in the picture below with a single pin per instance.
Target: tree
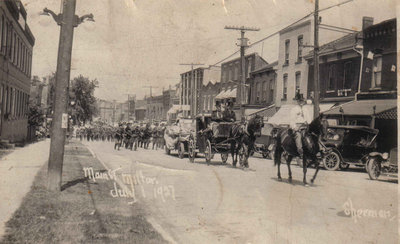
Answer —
(82, 101)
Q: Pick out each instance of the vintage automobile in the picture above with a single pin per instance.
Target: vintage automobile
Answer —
(176, 136)
(382, 164)
(349, 144)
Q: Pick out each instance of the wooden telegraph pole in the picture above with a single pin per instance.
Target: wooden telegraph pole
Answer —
(316, 60)
(67, 20)
(241, 90)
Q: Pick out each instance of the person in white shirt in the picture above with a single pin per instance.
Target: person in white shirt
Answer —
(297, 122)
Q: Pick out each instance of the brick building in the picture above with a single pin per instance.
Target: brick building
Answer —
(292, 70)
(189, 87)
(16, 42)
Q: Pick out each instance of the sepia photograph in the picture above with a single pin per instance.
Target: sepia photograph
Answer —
(199, 121)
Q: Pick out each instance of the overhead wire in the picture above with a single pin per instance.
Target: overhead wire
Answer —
(277, 32)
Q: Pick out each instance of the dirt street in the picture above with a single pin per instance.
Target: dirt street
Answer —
(216, 203)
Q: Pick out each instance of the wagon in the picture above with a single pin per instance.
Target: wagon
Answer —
(210, 138)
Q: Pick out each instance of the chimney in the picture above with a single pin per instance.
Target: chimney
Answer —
(367, 22)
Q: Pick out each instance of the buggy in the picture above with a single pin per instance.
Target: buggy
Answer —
(211, 137)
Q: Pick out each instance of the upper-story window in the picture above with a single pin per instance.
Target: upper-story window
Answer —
(285, 80)
(331, 78)
(287, 46)
(299, 48)
(265, 91)
(298, 80)
(271, 90)
(258, 92)
(377, 72)
(348, 75)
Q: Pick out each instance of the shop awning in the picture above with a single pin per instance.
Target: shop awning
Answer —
(231, 93)
(363, 107)
(282, 117)
(221, 95)
(226, 94)
(266, 112)
(176, 108)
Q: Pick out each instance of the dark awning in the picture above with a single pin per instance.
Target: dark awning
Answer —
(363, 107)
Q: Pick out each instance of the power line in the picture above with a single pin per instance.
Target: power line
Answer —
(277, 32)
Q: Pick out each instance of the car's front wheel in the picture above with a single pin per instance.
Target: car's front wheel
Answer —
(374, 168)
(332, 161)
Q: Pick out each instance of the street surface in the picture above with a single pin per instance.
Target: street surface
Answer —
(216, 203)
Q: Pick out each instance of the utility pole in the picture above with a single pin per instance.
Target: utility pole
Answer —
(316, 60)
(67, 20)
(241, 91)
(194, 95)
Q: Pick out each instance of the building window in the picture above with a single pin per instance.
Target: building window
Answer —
(265, 91)
(298, 79)
(299, 48)
(331, 78)
(1, 31)
(258, 92)
(377, 72)
(285, 79)
(348, 75)
(271, 90)
(287, 46)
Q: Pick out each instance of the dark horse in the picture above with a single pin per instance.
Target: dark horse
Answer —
(243, 138)
(310, 139)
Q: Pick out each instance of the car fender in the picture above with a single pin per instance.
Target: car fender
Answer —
(336, 151)
(375, 154)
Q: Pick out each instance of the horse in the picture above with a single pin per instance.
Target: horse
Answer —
(243, 139)
(310, 140)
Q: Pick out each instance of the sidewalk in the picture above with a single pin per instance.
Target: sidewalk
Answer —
(91, 207)
(17, 172)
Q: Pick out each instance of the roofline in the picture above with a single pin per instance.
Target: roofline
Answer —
(293, 27)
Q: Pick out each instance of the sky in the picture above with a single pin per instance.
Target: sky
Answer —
(134, 44)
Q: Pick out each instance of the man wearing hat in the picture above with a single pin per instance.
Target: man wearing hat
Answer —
(297, 121)
(228, 114)
(217, 114)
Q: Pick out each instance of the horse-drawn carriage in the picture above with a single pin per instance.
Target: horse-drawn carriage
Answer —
(212, 137)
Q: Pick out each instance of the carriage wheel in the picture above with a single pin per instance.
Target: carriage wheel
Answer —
(224, 157)
(207, 152)
(265, 154)
(181, 150)
(191, 150)
(332, 161)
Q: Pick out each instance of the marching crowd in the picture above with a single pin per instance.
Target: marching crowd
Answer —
(127, 134)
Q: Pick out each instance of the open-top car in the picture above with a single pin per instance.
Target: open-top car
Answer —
(349, 144)
(176, 136)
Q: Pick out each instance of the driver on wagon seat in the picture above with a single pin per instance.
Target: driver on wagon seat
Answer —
(217, 114)
(229, 115)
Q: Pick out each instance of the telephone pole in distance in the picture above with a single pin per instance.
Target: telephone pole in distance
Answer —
(241, 94)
